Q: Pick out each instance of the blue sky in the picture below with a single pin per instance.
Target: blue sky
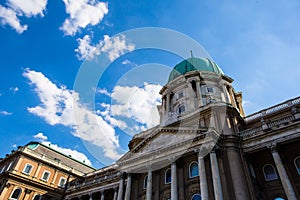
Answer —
(45, 44)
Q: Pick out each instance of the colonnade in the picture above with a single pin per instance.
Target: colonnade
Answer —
(239, 187)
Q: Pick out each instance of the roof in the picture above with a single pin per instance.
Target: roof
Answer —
(34, 145)
(194, 64)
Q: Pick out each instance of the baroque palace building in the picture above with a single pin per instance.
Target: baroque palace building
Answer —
(204, 148)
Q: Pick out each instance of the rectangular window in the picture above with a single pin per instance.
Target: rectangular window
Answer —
(2, 169)
(62, 182)
(180, 95)
(210, 89)
(46, 176)
(27, 169)
(10, 164)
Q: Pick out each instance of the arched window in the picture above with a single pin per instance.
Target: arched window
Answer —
(168, 176)
(297, 164)
(196, 197)
(193, 172)
(145, 182)
(252, 172)
(269, 172)
(279, 198)
(16, 194)
(37, 197)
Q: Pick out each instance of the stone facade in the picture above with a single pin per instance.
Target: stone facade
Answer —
(204, 147)
(36, 171)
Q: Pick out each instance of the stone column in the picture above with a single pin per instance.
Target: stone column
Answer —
(149, 186)
(168, 103)
(202, 177)
(174, 191)
(115, 194)
(191, 96)
(199, 95)
(163, 108)
(216, 176)
(287, 186)
(102, 195)
(232, 97)
(121, 185)
(237, 173)
(128, 187)
(90, 196)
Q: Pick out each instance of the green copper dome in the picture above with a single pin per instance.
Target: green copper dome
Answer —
(194, 64)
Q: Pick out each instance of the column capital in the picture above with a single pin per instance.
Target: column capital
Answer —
(205, 149)
(272, 146)
(172, 159)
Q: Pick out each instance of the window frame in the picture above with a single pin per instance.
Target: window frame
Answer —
(190, 175)
(180, 94)
(27, 173)
(196, 195)
(2, 169)
(37, 195)
(169, 169)
(145, 182)
(179, 109)
(42, 178)
(9, 166)
(210, 89)
(251, 170)
(11, 198)
(297, 167)
(59, 183)
(265, 176)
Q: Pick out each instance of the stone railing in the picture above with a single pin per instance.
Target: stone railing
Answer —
(95, 180)
(272, 109)
(266, 126)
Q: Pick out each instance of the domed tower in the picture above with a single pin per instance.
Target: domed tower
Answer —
(193, 84)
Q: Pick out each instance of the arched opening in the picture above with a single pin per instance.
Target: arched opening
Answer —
(269, 172)
(297, 164)
(279, 198)
(168, 176)
(196, 197)
(145, 182)
(37, 197)
(16, 194)
(193, 170)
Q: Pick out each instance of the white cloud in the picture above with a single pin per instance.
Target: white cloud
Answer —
(14, 146)
(73, 153)
(29, 7)
(126, 62)
(3, 112)
(85, 50)
(83, 13)
(138, 105)
(114, 47)
(14, 89)
(40, 136)
(62, 106)
(103, 91)
(9, 17)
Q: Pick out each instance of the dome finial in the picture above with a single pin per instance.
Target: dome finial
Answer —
(192, 54)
